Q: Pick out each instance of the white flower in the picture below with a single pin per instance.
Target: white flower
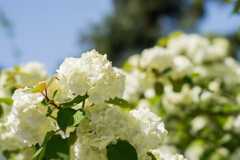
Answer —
(178, 157)
(28, 117)
(31, 73)
(8, 141)
(157, 57)
(92, 74)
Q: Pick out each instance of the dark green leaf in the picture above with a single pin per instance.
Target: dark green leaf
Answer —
(123, 150)
(57, 148)
(207, 153)
(7, 101)
(119, 102)
(72, 138)
(45, 102)
(69, 117)
(151, 155)
(49, 111)
(40, 152)
(159, 88)
(166, 70)
(177, 86)
(74, 102)
(237, 6)
(1, 110)
(187, 80)
(158, 74)
(55, 94)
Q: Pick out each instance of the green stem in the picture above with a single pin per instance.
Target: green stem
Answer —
(53, 117)
(83, 104)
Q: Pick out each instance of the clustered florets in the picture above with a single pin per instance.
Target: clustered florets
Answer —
(94, 76)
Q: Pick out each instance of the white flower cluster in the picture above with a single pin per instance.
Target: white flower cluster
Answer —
(30, 73)
(92, 74)
(105, 124)
(199, 49)
(28, 117)
(8, 140)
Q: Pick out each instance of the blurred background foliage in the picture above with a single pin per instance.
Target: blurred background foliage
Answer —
(136, 25)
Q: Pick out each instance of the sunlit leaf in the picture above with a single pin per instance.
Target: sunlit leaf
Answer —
(7, 101)
(39, 88)
(119, 102)
(55, 94)
(50, 80)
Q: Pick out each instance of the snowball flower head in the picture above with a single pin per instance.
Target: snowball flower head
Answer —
(92, 74)
(28, 117)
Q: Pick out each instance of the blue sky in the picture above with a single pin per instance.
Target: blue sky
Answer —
(47, 31)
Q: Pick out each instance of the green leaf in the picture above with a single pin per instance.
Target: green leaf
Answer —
(28, 91)
(7, 101)
(9, 85)
(151, 155)
(49, 111)
(158, 74)
(123, 150)
(237, 6)
(45, 102)
(69, 117)
(72, 138)
(166, 70)
(74, 102)
(224, 139)
(1, 110)
(119, 102)
(57, 148)
(159, 88)
(40, 152)
(207, 153)
(55, 94)
(50, 80)
(193, 75)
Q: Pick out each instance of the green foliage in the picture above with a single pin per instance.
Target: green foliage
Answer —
(72, 138)
(74, 102)
(57, 148)
(1, 110)
(119, 102)
(49, 111)
(123, 150)
(41, 151)
(55, 94)
(45, 102)
(159, 88)
(69, 117)
(151, 155)
(7, 101)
